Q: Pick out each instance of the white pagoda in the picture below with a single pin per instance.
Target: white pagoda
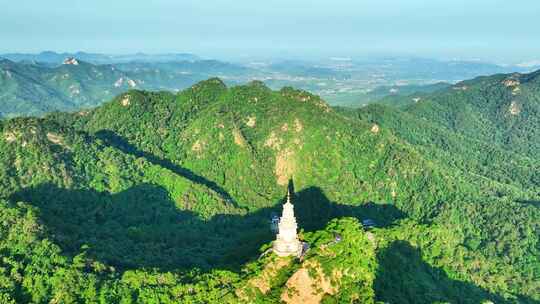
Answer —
(287, 242)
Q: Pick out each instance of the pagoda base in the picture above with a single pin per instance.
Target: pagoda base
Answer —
(283, 249)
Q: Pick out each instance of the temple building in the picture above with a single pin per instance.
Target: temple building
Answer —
(287, 242)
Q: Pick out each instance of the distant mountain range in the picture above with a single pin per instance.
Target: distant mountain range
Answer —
(96, 58)
(33, 84)
(35, 88)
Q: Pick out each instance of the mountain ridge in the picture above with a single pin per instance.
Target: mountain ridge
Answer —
(34, 89)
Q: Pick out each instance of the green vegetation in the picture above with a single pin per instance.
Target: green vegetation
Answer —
(36, 84)
(28, 88)
(33, 89)
(157, 197)
(502, 110)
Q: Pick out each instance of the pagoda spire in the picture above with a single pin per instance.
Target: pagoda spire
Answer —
(289, 195)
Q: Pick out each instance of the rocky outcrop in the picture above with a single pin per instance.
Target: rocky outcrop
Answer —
(71, 61)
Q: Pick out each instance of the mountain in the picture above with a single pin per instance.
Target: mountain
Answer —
(358, 81)
(50, 57)
(166, 197)
(75, 85)
(501, 110)
(33, 89)
(21, 92)
(488, 126)
(35, 84)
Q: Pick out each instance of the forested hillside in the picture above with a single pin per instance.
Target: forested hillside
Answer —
(488, 126)
(158, 197)
(502, 109)
(30, 88)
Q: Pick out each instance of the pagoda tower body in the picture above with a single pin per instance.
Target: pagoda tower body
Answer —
(287, 242)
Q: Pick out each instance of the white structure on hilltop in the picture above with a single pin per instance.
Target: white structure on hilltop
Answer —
(287, 242)
(71, 61)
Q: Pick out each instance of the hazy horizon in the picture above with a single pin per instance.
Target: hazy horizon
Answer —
(492, 31)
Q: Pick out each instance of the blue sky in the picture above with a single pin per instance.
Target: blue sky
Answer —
(493, 30)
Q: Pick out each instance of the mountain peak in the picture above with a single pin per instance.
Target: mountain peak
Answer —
(212, 85)
(257, 83)
(305, 96)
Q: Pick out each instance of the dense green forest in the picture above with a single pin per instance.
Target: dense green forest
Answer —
(159, 197)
